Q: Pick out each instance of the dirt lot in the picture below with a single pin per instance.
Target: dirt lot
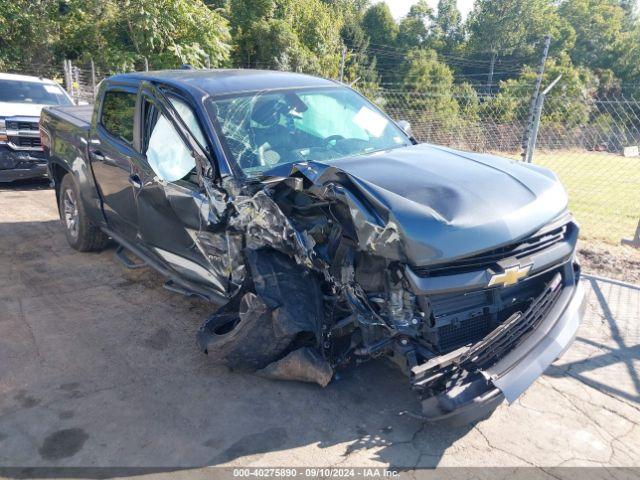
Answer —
(98, 367)
(619, 262)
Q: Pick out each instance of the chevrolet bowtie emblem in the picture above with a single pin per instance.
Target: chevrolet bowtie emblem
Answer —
(510, 276)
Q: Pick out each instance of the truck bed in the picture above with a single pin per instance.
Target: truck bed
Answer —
(79, 116)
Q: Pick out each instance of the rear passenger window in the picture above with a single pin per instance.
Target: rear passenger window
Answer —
(118, 110)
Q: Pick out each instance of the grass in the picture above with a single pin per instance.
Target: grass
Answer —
(604, 191)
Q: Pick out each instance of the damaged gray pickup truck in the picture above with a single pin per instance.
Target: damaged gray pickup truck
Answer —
(327, 235)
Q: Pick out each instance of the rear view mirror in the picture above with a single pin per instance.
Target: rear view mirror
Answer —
(406, 127)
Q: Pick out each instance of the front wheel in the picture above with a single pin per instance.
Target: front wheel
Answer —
(81, 234)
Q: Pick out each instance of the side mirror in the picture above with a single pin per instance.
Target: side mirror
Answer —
(406, 127)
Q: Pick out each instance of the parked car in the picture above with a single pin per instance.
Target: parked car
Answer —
(21, 100)
(327, 235)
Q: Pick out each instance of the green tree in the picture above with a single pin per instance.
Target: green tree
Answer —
(567, 103)
(119, 34)
(359, 65)
(414, 28)
(433, 80)
(511, 27)
(626, 65)
(26, 35)
(599, 26)
(287, 34)
(380, 25)
(383, 32)
(447, 25)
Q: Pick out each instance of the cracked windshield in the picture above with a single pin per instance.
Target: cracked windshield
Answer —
(262, 131)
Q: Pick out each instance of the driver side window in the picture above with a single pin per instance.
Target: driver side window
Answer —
(168, 156)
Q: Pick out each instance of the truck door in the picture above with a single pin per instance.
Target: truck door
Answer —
(169, 199)
(112, 153)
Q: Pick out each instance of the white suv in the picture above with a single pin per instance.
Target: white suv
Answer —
(21, 100)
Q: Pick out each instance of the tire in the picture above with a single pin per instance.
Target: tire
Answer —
(280, 310)
(81, 234)
(246, 339)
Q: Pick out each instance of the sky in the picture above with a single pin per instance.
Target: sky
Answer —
(399, 8)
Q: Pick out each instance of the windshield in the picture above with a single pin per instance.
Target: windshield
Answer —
(262, 131)
(15, 91)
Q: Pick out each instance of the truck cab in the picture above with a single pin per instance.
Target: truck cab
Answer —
(22, 98)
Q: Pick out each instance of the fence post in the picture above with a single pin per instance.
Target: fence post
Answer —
(93, 79)
(67, 76)
(342, 61)
(534, 99)
(76, 83)
(536, 119)
(635, 241)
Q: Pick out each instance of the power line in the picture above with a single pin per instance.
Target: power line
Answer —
(445, 54)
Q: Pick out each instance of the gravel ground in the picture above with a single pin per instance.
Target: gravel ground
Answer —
(99, 368)
(618, 262)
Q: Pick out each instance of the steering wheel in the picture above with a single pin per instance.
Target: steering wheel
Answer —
(244, 156)
(327, 141)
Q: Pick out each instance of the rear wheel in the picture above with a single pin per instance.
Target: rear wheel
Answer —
(81, 234)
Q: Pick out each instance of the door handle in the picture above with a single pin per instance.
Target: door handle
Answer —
(97, 155)
(135, 181)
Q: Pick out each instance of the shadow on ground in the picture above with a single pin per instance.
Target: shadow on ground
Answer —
(102, 369)
(99, 367)
(26, 185)
(620, 346)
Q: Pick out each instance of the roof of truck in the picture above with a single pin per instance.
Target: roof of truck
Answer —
(25, 78)
(224, 81)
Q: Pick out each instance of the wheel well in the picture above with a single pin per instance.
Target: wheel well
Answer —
(58, 172)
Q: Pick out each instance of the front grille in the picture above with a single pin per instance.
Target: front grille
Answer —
(518, 322)
(529, 246)
(469, 330)
(19, 125)
(514, 330)
(25, 142)
(463, 318)
(11, 159)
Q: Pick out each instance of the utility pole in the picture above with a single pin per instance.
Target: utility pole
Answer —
(490, 77)
(534, 100)
(342, 61)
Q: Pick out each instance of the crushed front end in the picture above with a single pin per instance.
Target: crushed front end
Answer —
(469, 333)
(341, 288)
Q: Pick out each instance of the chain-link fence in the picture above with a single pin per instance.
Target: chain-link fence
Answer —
(591, 143)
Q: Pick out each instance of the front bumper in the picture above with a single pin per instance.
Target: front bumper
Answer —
(21, 165)
(482, 392)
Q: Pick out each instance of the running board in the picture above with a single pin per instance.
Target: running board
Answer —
(121, 254)
(177, 288)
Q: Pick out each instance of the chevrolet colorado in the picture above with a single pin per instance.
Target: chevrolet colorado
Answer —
(21, 100)
(327, 235)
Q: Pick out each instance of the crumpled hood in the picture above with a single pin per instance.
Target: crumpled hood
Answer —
(447, 204)
(9, 109)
